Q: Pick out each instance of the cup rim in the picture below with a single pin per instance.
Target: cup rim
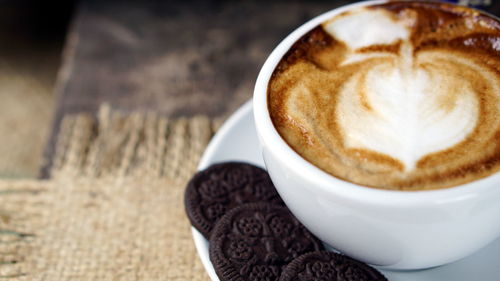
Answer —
(269, 136)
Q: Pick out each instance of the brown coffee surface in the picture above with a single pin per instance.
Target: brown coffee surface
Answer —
(413, 105)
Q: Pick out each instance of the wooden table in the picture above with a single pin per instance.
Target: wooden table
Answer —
(177, 57)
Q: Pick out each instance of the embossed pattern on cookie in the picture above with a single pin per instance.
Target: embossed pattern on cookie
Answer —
(324, 265)
(221, 187)
(256, 241)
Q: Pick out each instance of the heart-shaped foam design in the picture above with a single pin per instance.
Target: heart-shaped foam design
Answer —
(408, 111)
(406, 97)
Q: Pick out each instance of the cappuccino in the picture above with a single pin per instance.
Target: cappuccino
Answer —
(401, 96)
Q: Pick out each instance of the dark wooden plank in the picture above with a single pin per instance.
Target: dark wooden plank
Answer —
(175, 57)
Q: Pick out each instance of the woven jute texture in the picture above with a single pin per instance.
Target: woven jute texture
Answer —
(114, 207)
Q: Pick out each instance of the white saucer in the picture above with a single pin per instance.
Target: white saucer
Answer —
(237, 140)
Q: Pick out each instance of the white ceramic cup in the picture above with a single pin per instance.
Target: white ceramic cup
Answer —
(392, 229)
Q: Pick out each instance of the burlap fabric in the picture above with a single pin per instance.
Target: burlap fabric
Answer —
(114, 207)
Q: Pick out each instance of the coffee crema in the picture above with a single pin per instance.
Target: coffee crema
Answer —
(401, 95)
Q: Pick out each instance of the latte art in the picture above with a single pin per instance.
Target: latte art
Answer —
(397, 96)
(408, 108)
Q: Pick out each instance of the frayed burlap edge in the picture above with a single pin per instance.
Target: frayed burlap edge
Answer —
(134, 145)
(114, 207)
(21, 208)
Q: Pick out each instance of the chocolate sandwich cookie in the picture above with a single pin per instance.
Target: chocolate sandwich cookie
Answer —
(256, 241)
(324, 265)
(221, 187)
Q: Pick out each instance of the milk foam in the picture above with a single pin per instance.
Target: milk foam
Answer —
(404, 118)
(404, 95)
(398, 110)
(364, 28)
